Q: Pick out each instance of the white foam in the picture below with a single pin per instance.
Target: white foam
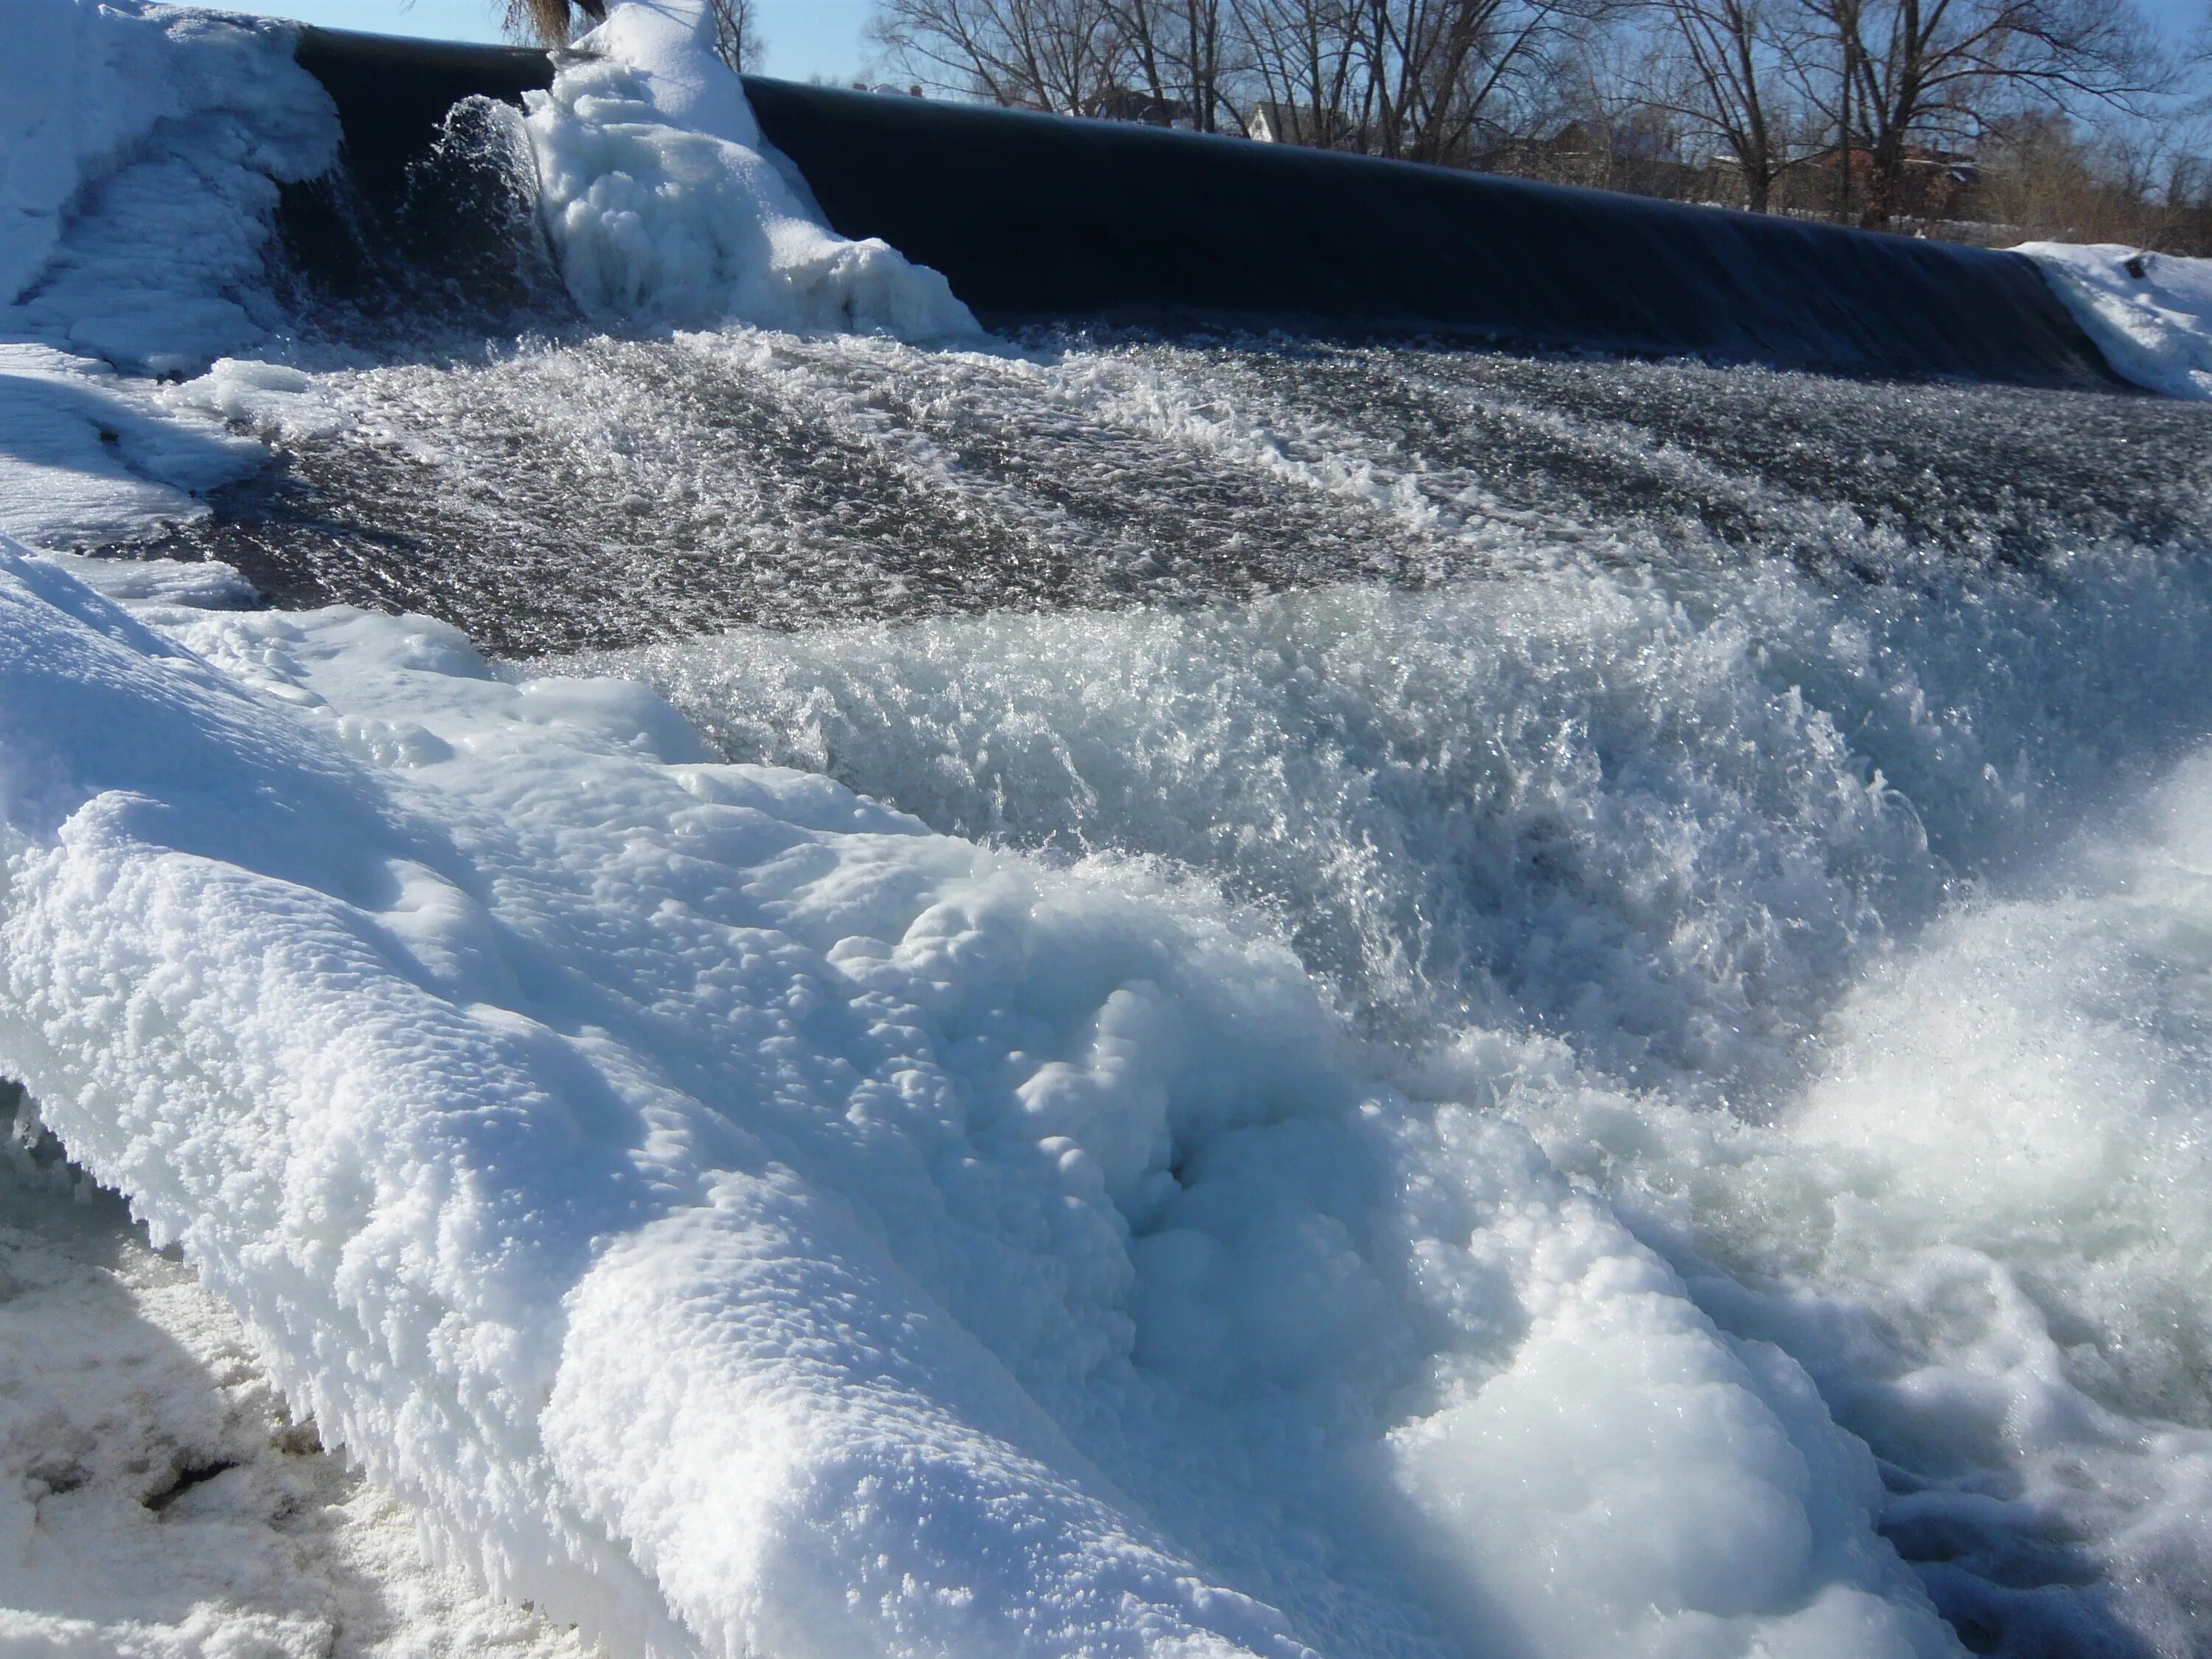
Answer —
(662, 208)
(1675, 822)
(1984, 1230)
(271, 400)
(2150, 314)
(746, 1221)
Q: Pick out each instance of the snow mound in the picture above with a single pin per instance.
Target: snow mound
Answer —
(141, 147)
(2150, 313)
(141, 150)
(664, 209)
(744, 1221)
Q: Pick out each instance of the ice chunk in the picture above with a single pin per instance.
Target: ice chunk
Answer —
(663, 208)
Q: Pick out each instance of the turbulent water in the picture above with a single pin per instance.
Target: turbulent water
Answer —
(610, 491)
(1786, 796)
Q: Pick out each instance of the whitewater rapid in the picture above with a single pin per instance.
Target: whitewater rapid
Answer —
(830, 987)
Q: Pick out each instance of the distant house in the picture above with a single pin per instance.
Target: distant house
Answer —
(1125, 104)
(1274, 122)
(1933, 184)
(1280, 122)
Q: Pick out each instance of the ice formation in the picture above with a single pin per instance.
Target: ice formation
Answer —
(2150, 313)
(89, 455)
(746, 1221)
(663, 207)
(141, 149)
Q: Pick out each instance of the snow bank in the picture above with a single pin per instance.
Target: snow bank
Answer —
(141, 149)
(748, 1222)
(154, 1499)
(663, 208)
(2150, 313)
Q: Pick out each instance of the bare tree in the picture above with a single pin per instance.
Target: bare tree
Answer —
(1436, 68)
(550, 23)
(1937, 70)
(1414, 79)
(1302, 59)
(1173, 49)
(737, 40)
(1687, 98)
(1722, 66)
(546, 21)
(1057, 55)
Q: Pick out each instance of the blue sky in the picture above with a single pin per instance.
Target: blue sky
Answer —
(804, 36)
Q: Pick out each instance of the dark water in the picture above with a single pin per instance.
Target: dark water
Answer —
(571, 492)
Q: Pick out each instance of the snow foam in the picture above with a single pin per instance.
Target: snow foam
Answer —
(2150, 313)
(664, 208)
(748, 1222)
(1839, 1022)
(1982, 1229)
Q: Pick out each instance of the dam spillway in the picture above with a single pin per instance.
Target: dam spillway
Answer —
(1035, 217)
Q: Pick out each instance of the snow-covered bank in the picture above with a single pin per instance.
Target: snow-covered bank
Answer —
(735, 1213)
(154, 1499)
(2150, 313)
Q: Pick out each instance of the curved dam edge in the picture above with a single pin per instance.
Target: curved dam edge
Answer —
(1033, 217)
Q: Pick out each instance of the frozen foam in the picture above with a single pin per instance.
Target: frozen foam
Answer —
(743, 1221)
